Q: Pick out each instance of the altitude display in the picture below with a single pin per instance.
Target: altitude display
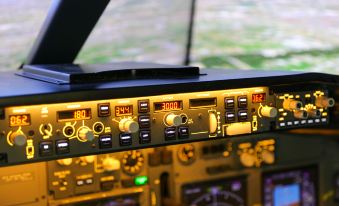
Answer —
(258, 98)
(167, 106)
(123, 110)
(291, 187)
(19, 120)
(78, 114)
(230, 192)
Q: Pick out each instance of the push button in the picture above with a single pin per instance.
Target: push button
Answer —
(242, 101)
(105, 141)
(46, 148)
(104, 110)
(229, 102)
(183, 132)
(143, 106)
(230, 116)
(125, 139)
(62, 146)
(242, 115)
(144, 121)
(170, 133)
(145, 137)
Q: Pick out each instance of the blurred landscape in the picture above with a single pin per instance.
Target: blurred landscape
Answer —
(236, 34)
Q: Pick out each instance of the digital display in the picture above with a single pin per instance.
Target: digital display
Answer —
(19, 120)
(167, 106)
(217, 192)
(78, 114)
(291, 187)
(205, 102)
(123, 110)
(258, 98)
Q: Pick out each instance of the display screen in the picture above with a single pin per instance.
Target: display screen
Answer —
(123, 110)
(19, 120)
(217, 192)
(258, 98)
(167, 106)
(78, 114)
(291, 187)
(205, 102)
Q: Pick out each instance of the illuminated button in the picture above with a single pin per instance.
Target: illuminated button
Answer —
(62, 146)
(144, 121)
(242, 101)
(125, 139)
(229, 103)
(173, 120)
(89, 181)
(143, 106)
(170, 133)
(242, 115)
(104, 110)
(105, 141)
(269, 112)
(141, 180)
(46, 148)
(183, 133)
(80, 182)
(144, 136)
(230, 116)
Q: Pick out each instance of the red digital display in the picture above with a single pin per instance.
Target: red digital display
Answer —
(73, 115)
(167, 106)
(123, 110)
(258, 98)
(19, 120)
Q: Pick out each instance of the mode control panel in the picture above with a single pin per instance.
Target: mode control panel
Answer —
(55, 131)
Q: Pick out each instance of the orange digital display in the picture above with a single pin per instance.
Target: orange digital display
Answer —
(258, 98)
(71, 115)
(167, 106)
(123, 110)
(19, 120)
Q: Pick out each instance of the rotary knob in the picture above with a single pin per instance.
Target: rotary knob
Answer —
(85, 134)
(300, 114)
(65, 162)
(292, 104)
(111, 164)
(268, 157)
(18, 138)
(88, 159)
(173, 120)
(128, 126)
(247, 160)
(315, 113)
(269, 112)
(324, 102)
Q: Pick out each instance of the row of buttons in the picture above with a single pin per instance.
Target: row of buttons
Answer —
(46, 147)
(230, 102)
(125, 139)
(104, 109)
(242, 116)
(171, 133)
(303, 122)
(81, 182)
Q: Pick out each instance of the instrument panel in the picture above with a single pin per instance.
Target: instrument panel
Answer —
(52, 131)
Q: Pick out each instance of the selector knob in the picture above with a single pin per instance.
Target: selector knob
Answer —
(88, 159)
(268, 157)
(173, 120)
(269, 112)
(111, 164)
(300, 114)
(292, 104)
(324, 102)
(86, 134)
(315, 113)
(65, 162)
(128, 126)
(213, 122)
(18, 138)
(247, 160)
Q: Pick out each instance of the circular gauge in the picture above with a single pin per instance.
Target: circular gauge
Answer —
(219, 198)
(186, 154)
(132, 162)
